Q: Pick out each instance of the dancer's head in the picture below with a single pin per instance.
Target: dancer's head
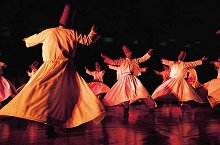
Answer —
(127, 51)
(182, 55)
(97, 66)
(67, 18)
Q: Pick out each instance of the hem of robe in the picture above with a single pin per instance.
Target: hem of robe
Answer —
(163, 93)
(130, 88)
(96, 119)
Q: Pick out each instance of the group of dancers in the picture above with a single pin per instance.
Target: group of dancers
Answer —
(180, 82)
(57, 95)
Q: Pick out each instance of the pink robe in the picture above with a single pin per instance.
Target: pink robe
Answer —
(57, 94)
(7, 89)
(97, 86)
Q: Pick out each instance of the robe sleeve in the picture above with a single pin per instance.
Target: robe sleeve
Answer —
(167, 62)
(113, 67)
(89, 72)
(116, 62)
(143, 58)
(143, 69)
(35, 39)
(192, 63)
(217, 64)
(158, 72)
(87, 40)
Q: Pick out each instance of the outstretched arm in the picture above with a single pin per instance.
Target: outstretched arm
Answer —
(195, 63)
(145, 57)
(2, 64)
(157, 72)
(35, 39)
(216, 63)
(88, 71)
(110, 61)
(143, 69)
(113, 67)
(87, 40)
(167, 62)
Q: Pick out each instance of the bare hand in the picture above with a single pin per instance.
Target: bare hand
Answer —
(157, 72)
(149, 51)
(218, 32)
(204, 58)
(103, 56)
(94, 28)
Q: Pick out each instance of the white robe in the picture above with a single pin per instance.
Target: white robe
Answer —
(128, 87)
(57, 94)
(211, 89)
(177, 88)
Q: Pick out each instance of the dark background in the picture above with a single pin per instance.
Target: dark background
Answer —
(168, 26)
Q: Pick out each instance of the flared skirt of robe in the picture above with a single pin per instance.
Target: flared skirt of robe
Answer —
(127, 88)
(176, 90)
(211, 89)
(7, 89)
(56, 95)
(98, 87)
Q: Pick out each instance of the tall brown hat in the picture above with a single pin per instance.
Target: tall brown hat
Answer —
(67, 18)
(182, 55)
(126, 49)
(97, 66)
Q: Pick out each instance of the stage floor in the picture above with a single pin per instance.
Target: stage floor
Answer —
(168, 125)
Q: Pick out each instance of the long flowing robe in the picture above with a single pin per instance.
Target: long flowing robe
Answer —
(7, 89)
(177, 88)
(57, 94)
(193, 78)
(128, 87)
(97, 86)
(211, 89)
(165, 74)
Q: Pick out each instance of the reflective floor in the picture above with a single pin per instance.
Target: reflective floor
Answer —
(168, 125)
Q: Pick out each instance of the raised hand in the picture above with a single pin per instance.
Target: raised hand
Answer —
(103, 56)
(149, 51)
(218, 32)
(204, 58)
(94, 28)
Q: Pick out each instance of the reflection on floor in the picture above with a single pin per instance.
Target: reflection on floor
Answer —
(168, 125)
